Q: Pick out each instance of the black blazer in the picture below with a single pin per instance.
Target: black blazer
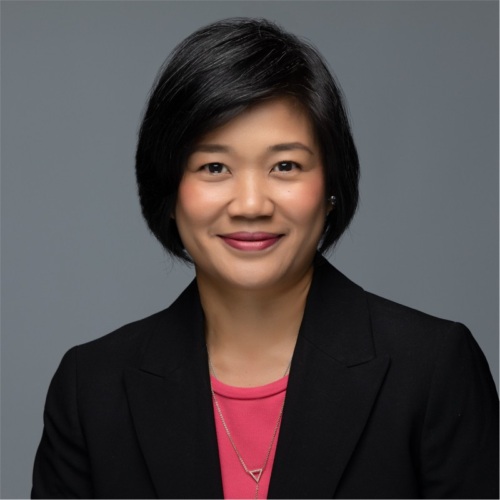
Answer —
(382, 402)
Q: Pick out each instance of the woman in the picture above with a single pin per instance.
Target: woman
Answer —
(272, 375)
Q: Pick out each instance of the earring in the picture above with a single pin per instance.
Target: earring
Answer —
(333, 200)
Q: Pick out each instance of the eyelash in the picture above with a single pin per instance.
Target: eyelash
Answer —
(288, 164)
(215, 164)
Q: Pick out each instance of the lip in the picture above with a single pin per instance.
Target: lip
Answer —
(248, 241)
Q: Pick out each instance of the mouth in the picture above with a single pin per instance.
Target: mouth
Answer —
(251, 241)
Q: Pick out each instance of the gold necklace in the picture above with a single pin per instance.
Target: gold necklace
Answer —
(255, 474)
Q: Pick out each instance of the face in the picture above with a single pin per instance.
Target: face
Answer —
(251, 204)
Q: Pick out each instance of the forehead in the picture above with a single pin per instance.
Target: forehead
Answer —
(281, 119)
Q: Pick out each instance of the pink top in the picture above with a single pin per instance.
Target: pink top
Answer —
(251, 415)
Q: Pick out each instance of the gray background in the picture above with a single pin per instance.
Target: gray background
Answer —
(421, 80)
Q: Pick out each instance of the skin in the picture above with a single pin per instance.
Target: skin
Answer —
(260, 178)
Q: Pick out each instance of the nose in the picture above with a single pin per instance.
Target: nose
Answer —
(252, 197)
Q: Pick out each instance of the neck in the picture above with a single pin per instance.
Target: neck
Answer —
(251, 335)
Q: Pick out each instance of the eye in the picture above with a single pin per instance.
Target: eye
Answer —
(215, 168)
(285, 166)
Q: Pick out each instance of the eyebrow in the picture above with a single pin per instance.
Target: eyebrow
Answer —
(221, 148)
(290, 146)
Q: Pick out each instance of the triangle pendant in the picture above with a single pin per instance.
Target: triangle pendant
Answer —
(256, 473)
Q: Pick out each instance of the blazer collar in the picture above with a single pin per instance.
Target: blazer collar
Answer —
(178, 335)
(336, 318)
(333, 383)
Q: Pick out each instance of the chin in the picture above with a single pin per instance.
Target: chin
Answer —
(269, 277)
(256, 272)
(253, 281)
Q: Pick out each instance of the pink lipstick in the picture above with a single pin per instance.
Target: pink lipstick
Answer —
(251, 241)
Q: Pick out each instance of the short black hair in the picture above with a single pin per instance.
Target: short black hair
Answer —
(213, 75)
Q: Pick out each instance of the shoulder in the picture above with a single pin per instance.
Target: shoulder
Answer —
(415, 342)
(367, 323)
(394, 324)
(392, 321)
(123, 345)
(415, 336)
(393, 327)
(96, 367)
(422, 346)
(128, 343)
(101, 362)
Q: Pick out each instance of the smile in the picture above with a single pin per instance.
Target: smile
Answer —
(250, 241)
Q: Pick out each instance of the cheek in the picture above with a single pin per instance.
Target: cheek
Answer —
(308, 202)
(196, 205)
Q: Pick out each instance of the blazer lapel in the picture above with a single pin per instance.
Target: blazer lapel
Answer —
(170, 401)
(334, 381)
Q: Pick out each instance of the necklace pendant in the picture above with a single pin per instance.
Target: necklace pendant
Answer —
(256, 473)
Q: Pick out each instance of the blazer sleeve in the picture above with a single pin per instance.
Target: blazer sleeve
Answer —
(62, 467)
(459, 446)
